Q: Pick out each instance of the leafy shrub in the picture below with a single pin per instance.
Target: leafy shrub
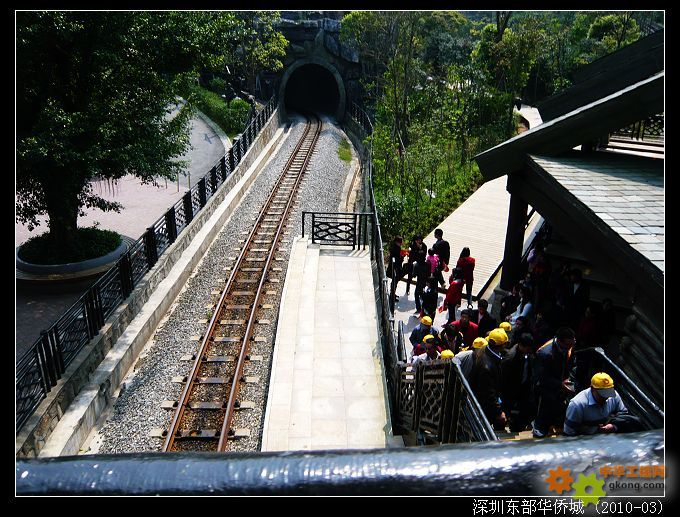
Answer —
(89, 243)
(230, 116)
(218, 84)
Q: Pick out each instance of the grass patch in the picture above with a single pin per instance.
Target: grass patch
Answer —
(344, 151)
(408, 216)
(230, 116)
(89, 243)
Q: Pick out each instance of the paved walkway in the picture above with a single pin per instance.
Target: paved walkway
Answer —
(532, 115)
(327, 388)
(37, 310)
(143, 204)
(480, 224)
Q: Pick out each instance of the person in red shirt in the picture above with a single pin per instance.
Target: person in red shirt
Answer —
(427, 350)
(465, 327)
(467, 264)
(454, 293)
(589, 331)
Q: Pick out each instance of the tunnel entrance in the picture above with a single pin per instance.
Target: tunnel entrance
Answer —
(313, 87)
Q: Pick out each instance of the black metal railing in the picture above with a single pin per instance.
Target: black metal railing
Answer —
(339, 228)
(592, 360)
(38, 370)
(523, 260)
(436, 402)
(649, 129)
(462, 418)
(388, 334)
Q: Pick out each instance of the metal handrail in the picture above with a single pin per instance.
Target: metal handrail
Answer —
(458, 402)
(648, 410)
(500, 264)
(87, 311)
(486, 429)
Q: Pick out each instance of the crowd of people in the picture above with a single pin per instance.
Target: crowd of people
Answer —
(522, 370)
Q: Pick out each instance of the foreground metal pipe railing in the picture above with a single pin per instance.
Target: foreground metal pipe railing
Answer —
(638, 403)
(492, 468)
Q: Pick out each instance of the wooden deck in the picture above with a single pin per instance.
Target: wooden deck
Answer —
(480, 224)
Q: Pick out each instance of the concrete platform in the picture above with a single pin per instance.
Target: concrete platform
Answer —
(327, 388)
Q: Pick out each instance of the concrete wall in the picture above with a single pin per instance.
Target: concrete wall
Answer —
(35, 432)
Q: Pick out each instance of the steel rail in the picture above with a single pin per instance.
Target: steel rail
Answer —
(224, 434)
(208, 337)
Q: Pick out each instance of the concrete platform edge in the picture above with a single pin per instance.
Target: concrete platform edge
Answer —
(300, 246)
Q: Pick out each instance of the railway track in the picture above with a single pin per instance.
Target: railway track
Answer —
(205, 410)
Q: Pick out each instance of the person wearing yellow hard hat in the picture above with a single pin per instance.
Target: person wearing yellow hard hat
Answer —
(505, 326)
(427, 350)
(423, 329)
(509, 331)
(479, 342)
(485, 377)
(599, 409)
(465, 358)
(447, 354)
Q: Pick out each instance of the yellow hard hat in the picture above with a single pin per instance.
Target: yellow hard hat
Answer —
(506, 326)
(498, 336)
(426, 321)
(427, 338)
(479, 342)
(604, 384)
(446, 354)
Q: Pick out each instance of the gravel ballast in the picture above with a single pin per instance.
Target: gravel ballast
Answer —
(137, 409)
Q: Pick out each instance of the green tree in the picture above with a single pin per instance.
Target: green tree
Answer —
(259, 46)
(95, 94)
(447, 40)
(373, 34)
(615, 30)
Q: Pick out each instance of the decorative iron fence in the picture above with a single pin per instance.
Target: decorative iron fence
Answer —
(436, 401)
(339, 228)
(38, 370)
(649, 129)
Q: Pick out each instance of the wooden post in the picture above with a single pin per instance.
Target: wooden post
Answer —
(514, 240)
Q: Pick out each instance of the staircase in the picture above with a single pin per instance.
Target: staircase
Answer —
(601, 286)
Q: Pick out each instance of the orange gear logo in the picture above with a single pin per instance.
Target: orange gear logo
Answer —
(559, 480)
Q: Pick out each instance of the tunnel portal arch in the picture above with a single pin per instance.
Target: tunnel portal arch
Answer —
(314, 83)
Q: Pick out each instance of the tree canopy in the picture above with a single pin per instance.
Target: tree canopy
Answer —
(96, 98)
(442, 86)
